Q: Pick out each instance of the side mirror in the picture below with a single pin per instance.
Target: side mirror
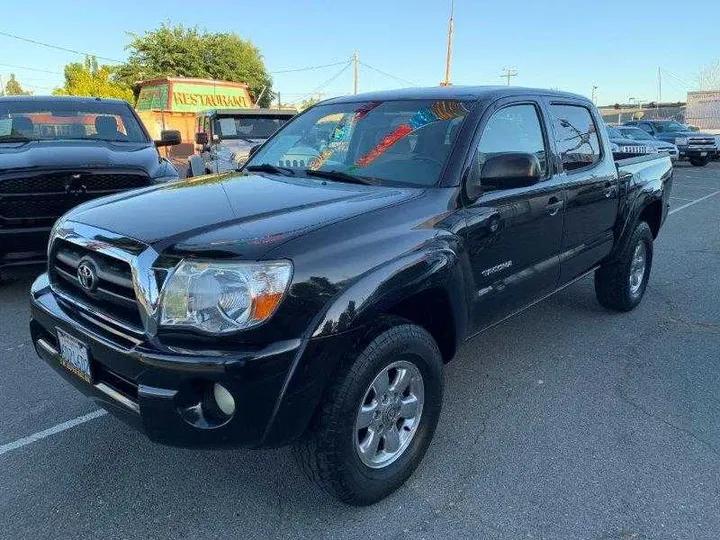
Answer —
(201, 138)
(169, 137)
(505, 171)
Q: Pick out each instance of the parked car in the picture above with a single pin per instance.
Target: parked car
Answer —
(225, 137)
(58, 152)
(316, 303)
(623, 148)
(638, 136)
(698, 148)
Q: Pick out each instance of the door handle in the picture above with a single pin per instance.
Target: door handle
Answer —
(553, 206)
(609, 190)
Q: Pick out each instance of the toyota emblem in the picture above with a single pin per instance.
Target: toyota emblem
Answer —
(87, 275)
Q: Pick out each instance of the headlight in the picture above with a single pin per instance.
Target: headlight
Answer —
(218, 297)
(681, 141)
(614, 147)
(165, 179)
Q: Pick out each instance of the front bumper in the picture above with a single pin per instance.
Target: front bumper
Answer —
(276, 388)
(686, 153)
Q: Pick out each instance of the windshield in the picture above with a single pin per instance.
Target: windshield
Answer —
(387, 142)
(613, 133)
(665, 127)
(68, 120)
(248, 127)
(636, 134)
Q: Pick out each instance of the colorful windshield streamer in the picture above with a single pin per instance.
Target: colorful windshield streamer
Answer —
(340, 137)
(438, 111)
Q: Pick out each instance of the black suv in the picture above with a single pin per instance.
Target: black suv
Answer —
(58, 152)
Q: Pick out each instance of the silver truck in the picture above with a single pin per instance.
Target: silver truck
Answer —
(224, 137)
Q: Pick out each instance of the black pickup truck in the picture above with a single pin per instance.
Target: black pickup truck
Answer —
(57, 152)
(314, 301)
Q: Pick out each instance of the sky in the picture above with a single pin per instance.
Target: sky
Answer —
(612, 44)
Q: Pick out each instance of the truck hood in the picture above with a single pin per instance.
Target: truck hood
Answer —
(232, 215)
(79, 155)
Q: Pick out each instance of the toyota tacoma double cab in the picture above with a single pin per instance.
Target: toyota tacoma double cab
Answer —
(58, 152)
(314, 300)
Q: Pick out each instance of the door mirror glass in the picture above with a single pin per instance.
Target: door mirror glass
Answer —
(201, 138)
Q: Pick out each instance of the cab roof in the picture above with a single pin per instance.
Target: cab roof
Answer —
(460, 93)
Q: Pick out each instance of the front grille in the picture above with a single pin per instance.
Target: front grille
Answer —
(58, 182)
(701, 141)
(113, 296)
(38, 199)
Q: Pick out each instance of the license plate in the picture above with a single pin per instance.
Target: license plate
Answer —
(74, 355)
(703, 154)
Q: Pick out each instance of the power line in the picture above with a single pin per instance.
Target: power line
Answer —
(309, 68)
(404, 81)
(31, 69)
(58, 47)
(678, 78)
(324, 84)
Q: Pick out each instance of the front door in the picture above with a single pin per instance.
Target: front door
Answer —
(513, 234)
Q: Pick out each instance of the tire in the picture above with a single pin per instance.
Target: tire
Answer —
(618, 284)
(699, 162)
(330, 453)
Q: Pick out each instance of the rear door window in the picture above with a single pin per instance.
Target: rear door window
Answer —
(576, 136)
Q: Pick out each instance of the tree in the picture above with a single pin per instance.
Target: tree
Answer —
(90, 79)
(13, 88)
(710, 76)
(309, 102)
(176, 51)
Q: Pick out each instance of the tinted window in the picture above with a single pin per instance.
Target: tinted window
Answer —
(577, 138)
(40, 119)
(384, 142)
(248, 127)
(513, 129)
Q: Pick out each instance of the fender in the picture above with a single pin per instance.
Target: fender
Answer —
(399, 279)
(639, 194)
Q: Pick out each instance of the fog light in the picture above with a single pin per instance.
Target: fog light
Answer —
(224, 399)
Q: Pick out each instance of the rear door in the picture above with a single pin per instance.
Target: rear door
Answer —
(513, 235)
(589, 177)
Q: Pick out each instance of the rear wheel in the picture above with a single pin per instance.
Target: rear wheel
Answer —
(378, 420)
(620, 284)
(699, 162)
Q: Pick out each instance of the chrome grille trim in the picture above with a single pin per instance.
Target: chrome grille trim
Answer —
(140, 258)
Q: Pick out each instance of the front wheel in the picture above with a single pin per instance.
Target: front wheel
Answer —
(699, 162)
(620, 284)
(378, 420)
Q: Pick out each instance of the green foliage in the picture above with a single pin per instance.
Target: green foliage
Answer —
(309, 102)
(90, 79)
(13, 88)
(177, 51)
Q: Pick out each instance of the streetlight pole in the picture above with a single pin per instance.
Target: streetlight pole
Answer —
(356, 61)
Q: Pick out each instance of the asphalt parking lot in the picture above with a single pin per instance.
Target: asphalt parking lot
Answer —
(566, 422)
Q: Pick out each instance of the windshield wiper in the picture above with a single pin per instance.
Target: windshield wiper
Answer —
(15, 139)
(339, 176)
(267, 167)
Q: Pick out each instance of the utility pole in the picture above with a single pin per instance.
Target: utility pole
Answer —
(448, 58)
(279, 102)
(509, 73)
(356, 61)
(659, 99)
(594, 95)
